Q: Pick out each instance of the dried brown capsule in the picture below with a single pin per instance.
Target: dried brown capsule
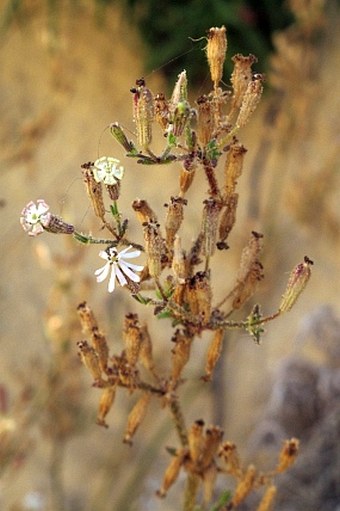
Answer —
(296, 283)
(153, 248)
(143, 113)
(209, 225)
(145, 353)
(250, 101)
(216, 51)
(209, 480)
(199, 295)
(174, 218)
(179, 261)
(288, 454)
(132, 338)
(90, 359)
(214, 353)
(161, 110)
(105, 404)
(213, 437)
(228, 216)
(228, 452)
(87, 318)
(57, 225)
(180, 354)
(245, 486)
(266, 503)
(136, 416)
(187, 176)
(94, 192)
(233, 167)
(172, 472)
(99, 343)
(206, 124)
(144, 212)
(241, 77)
(196, 441)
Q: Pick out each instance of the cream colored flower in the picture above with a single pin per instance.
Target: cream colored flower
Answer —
(119, 267)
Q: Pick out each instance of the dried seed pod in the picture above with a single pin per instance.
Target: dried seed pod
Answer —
(94, 191)
(233, 167)
(214, 353)
(199, 295)
(99, 343)
(209, 225)
(172, 472)
(266, 503)
(180, 354)
(187, 176)
(143, 113)
(90, 359)
(56, 225)
(174, 218)
(250, 101)
(196, 441)
(144, 212)
(216, 51)
(296, 283)
(132, 338)
(179, 261)
(241, 77)
(288, 454)
(136, 416)
(105, 404)
(228, 217)
(213, 437)
(209, 480)
(87, 318)
(228, 451)
(245, 486)
(161, 110)
(250, 271)
(113, 191)
(153, 248)
(206, 124)
(145, 353)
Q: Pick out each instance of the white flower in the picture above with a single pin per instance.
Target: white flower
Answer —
(108, 170)
(35, 217)
(120, 268)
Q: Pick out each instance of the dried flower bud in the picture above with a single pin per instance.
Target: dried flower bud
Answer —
(144, 212)
(266, 503)
(153, 248)
(87, 319)
(228, 217)
(199, 296)
(187, 176)
(179, 118)
(245, 486)
(288, 454)
(241, 77)
(216, 51)
(57, 225)
(213, 437)
(214, 353)
(118, 133)
(172, 472)
(250, 101)
(136, 416)
(94, 191)
(99, 343)
(145, 353)
(143, 113)
(206, 124)
(296, 284)
(209, 225)
(228, 452)
(233, 167)
(113, 191)
(105, 404)
(174, 219)
(161, 110)
(132, 338)
(180, 354)
(196, 441)
(90, 359)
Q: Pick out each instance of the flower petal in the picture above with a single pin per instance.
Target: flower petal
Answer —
(122, 280)
(129, 273)
(112, 280)
(102, 272)
(124, 254)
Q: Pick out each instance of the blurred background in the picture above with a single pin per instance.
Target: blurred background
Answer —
(66, 71)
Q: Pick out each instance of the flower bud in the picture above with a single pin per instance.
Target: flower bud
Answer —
(143, 113)
(250, 101)
(136, 416)
(180, 92)
(296, 284)
(216, 51)
(118, 133)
